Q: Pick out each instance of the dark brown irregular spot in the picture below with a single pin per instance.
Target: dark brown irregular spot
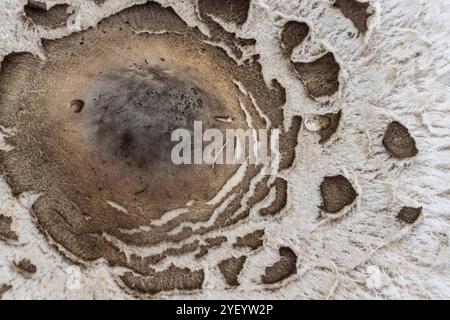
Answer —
(251, 240)
(54, 17)
(280, 198)
(409, 214)
(231, 268)
(99, 2)
(6, 234)
(173, 278)
(332, 120)
(337, 192)
(77, 105)
(355, 11)
(319, 77)
(288, 143)
(4, 288)
(37, 4)
(210, 243)
(398, 141)
(228, 10)
(292, 34)
(25, 267)
(283, 268)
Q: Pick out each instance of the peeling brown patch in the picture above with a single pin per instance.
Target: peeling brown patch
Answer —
(288, 142)
(332, 123)
(25, 267)
(319, 77)
(218, 33)
(173, 278)
(54, 17)
(3, 289)
(37, 4)
(292, 34)
(210, 243)
(398, 141)
(337, 193)
(228, 10)
(280, 198)
(231, 268)
(355, 11)
(251, 240)
(6, 234)
(283, 268)
(409, 214)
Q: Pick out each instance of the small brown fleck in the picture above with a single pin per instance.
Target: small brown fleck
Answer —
(25, 267)
(292, 35)
(409, 214)
(398, 141)
(283, 268)
(231, 268)
(337, 192)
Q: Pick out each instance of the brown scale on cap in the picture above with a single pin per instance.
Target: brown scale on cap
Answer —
(228, 10)
(278, 93)
(98, 127)
(283, 268)
(398, 141)
(356, 11)
(209, 244)
(292, 34)
(231, 268)
(173, 278)
(221, 9)
(319, 77)
(6, 233)
(409, 214)
(54, 17)
(287, 140)
(280, 198)
(337, 193)
(251, 240)
(332, 123)
(25, 267)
